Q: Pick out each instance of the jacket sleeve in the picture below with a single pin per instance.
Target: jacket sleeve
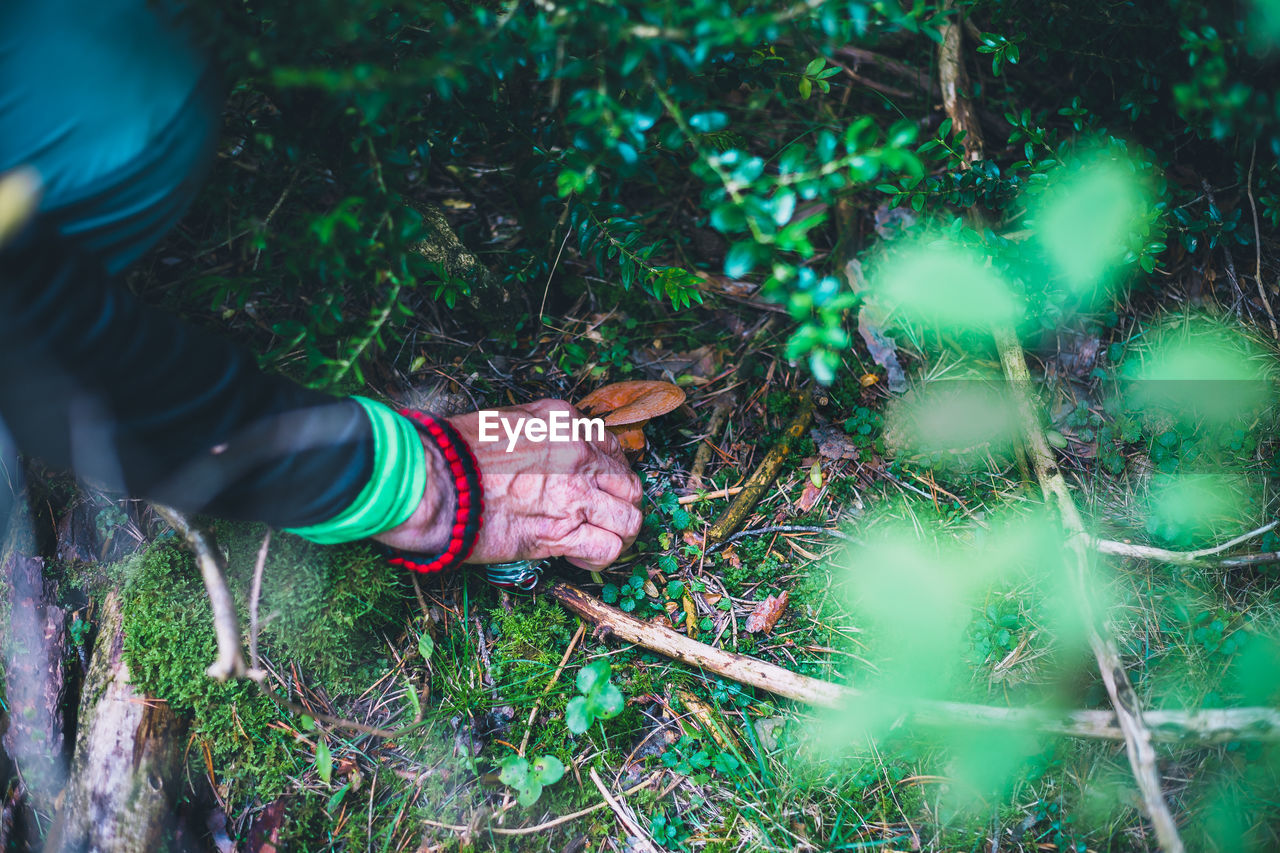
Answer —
(93, 380)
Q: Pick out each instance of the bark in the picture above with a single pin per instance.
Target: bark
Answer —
(125, 777)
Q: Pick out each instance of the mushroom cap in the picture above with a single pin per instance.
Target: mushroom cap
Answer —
(631, 402)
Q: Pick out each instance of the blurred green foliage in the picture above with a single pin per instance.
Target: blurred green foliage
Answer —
(665, 143)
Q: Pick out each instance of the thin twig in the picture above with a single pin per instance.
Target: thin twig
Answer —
(226, 627)
(255, 594)
(709, 496)
(639, 839)
(1257, 248)
(719, 414)
(1185, 558)
(1173, 726)
(781, 528)
(555, 676)
(1227, 257)
(533, 712)
(765, 473)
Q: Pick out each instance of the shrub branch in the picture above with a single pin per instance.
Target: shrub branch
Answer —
(1137, 736)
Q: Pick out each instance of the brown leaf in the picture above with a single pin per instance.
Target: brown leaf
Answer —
(809, 496)
(833, 443)
(767, 614)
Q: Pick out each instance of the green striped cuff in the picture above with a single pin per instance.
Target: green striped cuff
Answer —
(393, 491)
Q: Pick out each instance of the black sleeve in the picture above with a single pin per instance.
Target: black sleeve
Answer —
(94, 380)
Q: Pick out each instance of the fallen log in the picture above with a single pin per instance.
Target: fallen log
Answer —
(125, 775)
(35, 675)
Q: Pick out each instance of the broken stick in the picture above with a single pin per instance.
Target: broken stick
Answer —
(1216, 725)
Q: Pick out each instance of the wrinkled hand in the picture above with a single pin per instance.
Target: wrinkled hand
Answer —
(578, 500)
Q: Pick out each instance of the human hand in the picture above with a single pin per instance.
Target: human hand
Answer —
(577, 499)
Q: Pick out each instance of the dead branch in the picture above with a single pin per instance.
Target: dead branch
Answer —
(1137, 736)
(766, 472)
(1188, 558)
(126, 777)
(954, 81)
(686, 500)
(34, 666)
(1172, 726)
(226, 627)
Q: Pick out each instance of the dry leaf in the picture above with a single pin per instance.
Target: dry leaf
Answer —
(872, 319)
(833, 443)
(690, 616)
(767, 614)
(809, 496)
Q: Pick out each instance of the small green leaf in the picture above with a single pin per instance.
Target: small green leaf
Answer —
(426, 646)
(814, 66)
(324, 762)
(415, 706)
(708, 122)
(307, 723)
(609, 701)
(593, 674)
(740, 260)
(547, 769)
(336, 799)
(515, 771)
(577, 716)
(529, 794)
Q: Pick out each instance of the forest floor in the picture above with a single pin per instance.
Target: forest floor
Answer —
(413, 698)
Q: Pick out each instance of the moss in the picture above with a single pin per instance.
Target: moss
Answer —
(323, 610)
(323, 607)
(168, 643)
(530, 641)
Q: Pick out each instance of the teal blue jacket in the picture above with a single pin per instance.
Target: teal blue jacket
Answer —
(111, 102)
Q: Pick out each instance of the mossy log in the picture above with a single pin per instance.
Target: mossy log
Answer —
(125, 775)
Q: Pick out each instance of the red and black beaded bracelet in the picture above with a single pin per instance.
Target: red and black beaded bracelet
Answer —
(470, 506)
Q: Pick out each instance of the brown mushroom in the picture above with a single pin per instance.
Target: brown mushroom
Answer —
(627, 406)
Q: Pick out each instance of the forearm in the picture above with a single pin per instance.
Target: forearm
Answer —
(95, 380)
